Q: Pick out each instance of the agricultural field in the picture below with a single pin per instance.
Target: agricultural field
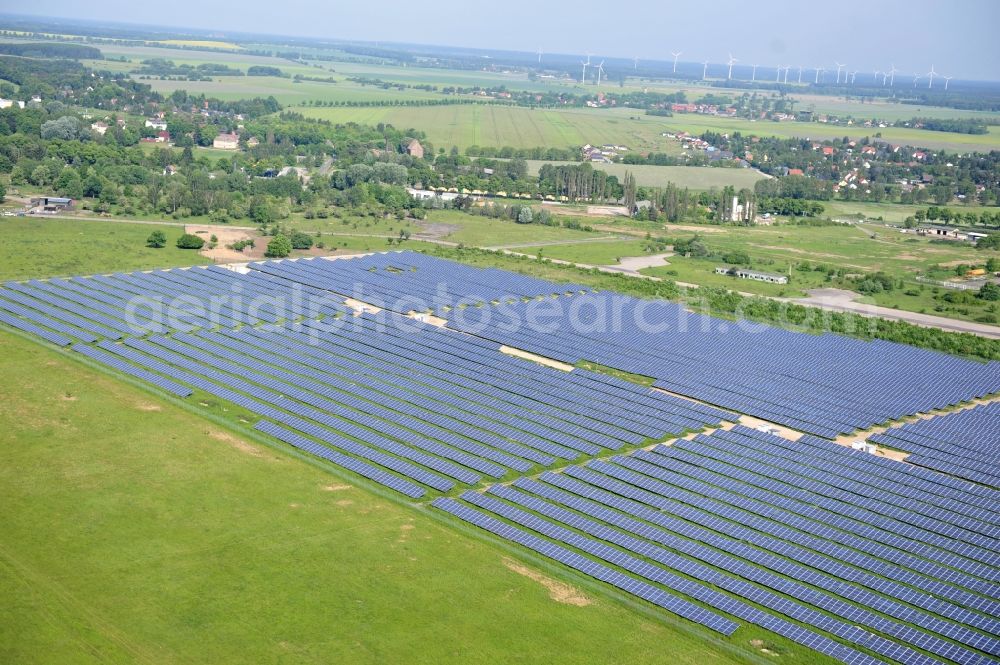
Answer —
(698, 178)
(226, 549)
(494, 125)
(950, 141)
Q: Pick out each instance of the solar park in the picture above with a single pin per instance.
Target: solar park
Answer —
(389, 368)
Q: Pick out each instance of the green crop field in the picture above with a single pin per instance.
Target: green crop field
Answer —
(692, 177)
(137, 531)
(494, 125)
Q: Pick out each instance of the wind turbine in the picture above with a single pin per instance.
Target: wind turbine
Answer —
(539, 55)
(583, 77)
(600, 70)
(930, 75)
(892, 75)
(916, 77)
(676, 55)
(753, 75)
(787, 67)
(875, 76)
(777, 74)
(853, 74)
(800, 73)
(818, 70)
(839, 67)
(946, 79)
(731, 62)
(635, 64)
(704, 70)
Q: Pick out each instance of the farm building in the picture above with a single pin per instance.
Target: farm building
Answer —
(951, 233)
(757, 276)
(226, 142)
(51, 203)
(414, 149)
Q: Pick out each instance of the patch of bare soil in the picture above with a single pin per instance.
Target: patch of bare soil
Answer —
(558, 591)
(221, 253)
(435, 230)
(238, 444)
(336, 488)
(146, 406)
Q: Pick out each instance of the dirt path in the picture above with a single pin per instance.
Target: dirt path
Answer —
(554, 243)
(634, 264)
(840, 300)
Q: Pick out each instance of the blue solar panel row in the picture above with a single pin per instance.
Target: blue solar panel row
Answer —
(834, 480)
(727, 554)
(827, 384)
(366, 470)
(658, 480)
(708, 541)
(643, 590)
(965, 444)
(694, 568)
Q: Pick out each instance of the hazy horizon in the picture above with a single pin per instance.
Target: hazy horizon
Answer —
(957, 41)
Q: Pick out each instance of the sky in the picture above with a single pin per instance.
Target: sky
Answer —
(953, 36)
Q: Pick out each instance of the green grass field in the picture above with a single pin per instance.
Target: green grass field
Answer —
(137, 531)
(491, 125)
(601, 253)
(56, 247)
(479, 231)
(692, 177)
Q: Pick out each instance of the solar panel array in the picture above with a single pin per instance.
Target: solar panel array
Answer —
(784, 535)
(408, 281)
(119, 305)
(826, 385)
(965, 444)
(431, 406)
(855, 556)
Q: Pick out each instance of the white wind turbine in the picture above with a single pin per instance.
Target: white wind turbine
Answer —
(777, 74)
(583, 77)
(600, 70)
(892, 75)
(818, 71)
(539, 55)
(875, 76)
(753, 74)
(732, 61)
(676, 55)
(946, 79)
(704, 70)
(916, 77)
(787, 67)
(930, 75)
(800, 73)
(839, 67)
(635, 64)
(853, 74)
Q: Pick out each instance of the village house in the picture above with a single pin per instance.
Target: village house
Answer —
(99, 127)
(226, 142)
(414, 149)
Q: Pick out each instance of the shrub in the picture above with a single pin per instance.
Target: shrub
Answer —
(301, 240)
(279, 247)
(190, 241)
(157, 239)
